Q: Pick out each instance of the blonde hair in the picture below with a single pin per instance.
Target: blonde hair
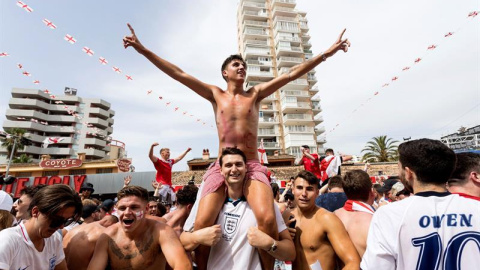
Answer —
(6, 219)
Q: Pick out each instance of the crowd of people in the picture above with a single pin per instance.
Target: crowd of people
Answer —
(431, 208)
(325, 219)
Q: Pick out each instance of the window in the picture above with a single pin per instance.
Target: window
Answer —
(23, 174)
(50, 173)
(78, 172)
(104, 170)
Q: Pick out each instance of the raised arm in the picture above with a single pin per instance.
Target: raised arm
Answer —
(199, 87)
(152, 157)
(100, 255)
(341, 242)
(297, 71)
(182, 155)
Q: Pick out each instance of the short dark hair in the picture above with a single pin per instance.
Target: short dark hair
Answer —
(335, 182)
(136, 191)
(31, 190)
(306, 146)
(230, 59)
(379, 189)
(357, 185)
(309, 177)
(466, 163)
(232, 151)
(329, 150)
(51, 199)
(431, 160)
(187, 195)
(275, 188)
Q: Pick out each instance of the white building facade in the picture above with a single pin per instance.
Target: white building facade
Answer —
(273, 37)
(83, 125)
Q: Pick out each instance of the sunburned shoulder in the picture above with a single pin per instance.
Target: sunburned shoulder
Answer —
(324, 216)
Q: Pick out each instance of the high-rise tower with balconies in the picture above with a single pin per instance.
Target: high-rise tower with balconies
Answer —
(84, 125)
(273, 37)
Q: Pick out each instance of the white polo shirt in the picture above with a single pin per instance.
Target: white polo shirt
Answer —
(17, 251)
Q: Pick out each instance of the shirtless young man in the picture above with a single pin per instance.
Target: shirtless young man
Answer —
(79, 243)
(319, 234)
(237, 115)
(137, 242)
(357, 212)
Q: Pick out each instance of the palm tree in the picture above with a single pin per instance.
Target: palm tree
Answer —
(381, 149)
(8, 142)
(23, 158)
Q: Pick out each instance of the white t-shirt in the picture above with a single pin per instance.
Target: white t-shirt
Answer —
(427, 231)
(18, 252)
(233, 250)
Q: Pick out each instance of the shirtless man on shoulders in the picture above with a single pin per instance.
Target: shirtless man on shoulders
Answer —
(79, 243)
(319, 235)
(236, 114)
(137, 242)
(358, 211)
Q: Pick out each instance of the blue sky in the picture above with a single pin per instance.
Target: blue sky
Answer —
(433, 98)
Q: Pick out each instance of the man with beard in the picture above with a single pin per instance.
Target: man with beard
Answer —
(465, 180)
(433, 229)
(137, 242)
(319, 235)
(35, 244)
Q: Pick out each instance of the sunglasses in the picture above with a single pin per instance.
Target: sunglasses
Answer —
(57, 222)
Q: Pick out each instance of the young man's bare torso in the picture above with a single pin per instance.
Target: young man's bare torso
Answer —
(137, 242)
(320, 236)
(236, 115)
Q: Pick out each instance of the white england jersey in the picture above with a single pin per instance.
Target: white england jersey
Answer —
(18, 252)
(427, 231)
(233, 250)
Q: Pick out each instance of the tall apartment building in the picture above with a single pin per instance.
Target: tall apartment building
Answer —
(84, 125)
(273, 37)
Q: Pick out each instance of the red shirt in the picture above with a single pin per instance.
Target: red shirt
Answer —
(164, 171)
(312, 166)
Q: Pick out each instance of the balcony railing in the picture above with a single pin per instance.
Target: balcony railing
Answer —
(291, 59)
(259, 23)
(265, 131)
(292, 129)
(253, 4)
(297, 116)
(255, 13)
(296, 93)
(270, 144)
(257, 42)
(256, 31)
(268, 119)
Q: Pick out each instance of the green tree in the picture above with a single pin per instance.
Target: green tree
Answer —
(18, 133)
(23, 158)
(381, 149)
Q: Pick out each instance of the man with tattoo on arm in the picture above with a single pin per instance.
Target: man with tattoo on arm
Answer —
(137, 242)
(237, 114)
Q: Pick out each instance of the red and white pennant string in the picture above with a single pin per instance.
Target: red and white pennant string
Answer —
(70, 39)
(395, 78)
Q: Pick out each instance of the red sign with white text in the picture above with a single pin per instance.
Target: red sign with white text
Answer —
(124, 164)
(60, 163)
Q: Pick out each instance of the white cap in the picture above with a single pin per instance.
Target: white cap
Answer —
(6, 202)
